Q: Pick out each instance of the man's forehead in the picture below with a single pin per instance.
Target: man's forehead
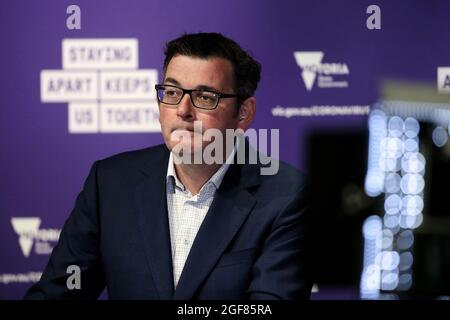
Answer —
(212, 69)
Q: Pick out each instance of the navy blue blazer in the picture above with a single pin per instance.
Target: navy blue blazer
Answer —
(252, 243)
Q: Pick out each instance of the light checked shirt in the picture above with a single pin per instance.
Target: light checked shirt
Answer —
(186, 212)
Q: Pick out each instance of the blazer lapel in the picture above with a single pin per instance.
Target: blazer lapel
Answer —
(151, 203)
(230, 208)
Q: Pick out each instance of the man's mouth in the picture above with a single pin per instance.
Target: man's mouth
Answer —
(190, 129)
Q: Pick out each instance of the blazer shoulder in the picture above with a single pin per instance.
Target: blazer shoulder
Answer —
(293, 174)
(135, 158)
(287, 179)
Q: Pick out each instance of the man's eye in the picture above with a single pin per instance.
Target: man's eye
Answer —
(170, 93)
(206, 96)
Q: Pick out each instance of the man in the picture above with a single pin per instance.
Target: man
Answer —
(152, 224)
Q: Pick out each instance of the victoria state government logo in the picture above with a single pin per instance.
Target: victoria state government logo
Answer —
(104, 89)
(310, 62)
(29, 232)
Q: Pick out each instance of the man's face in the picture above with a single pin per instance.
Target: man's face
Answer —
(196, 73)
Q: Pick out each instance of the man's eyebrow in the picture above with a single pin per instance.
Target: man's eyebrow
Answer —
(199, 87)
(171, 80)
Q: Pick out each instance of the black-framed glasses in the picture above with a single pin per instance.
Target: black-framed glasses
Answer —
(203, 99)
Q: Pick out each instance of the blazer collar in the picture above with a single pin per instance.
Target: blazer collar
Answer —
(151, 208)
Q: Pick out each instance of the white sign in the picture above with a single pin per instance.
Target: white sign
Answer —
(310, 62)
(443, 79)
(63, 86)
(103, 87)
(129, 117)
(29, 232)
(128, 85)
(100, 54)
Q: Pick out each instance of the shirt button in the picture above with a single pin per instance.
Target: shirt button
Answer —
(186, 242)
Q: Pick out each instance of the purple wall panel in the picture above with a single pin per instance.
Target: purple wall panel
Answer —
(43, 166)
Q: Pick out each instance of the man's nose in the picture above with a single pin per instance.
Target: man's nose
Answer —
(185, 107)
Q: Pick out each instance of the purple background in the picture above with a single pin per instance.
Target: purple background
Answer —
(42, 166)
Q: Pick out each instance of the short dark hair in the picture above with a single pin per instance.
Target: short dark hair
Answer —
(247, 71)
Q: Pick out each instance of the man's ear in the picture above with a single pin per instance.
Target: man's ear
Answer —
(246, 113)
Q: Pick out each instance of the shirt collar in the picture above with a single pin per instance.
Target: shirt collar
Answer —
(173, 181)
